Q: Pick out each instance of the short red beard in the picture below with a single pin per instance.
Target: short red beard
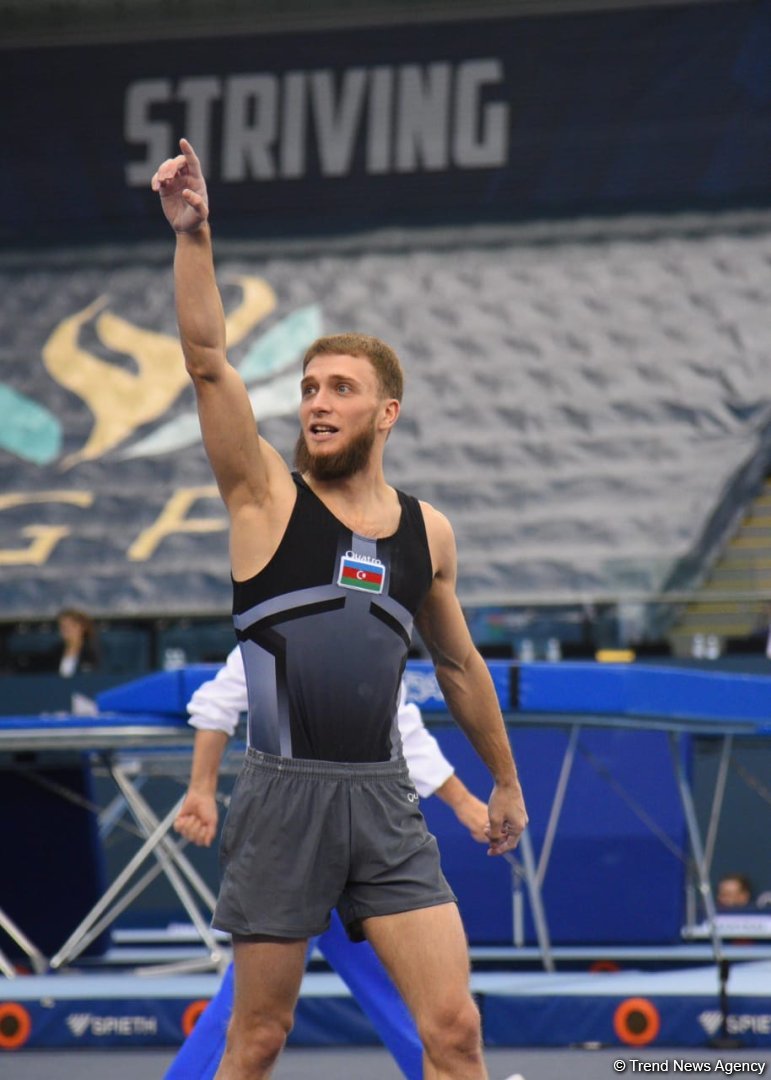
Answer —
(339, 465)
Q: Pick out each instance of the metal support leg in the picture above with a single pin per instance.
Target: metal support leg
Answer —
(37, 959)
(558, 802)
(536, 904)
(517, 905)
(119, 906)
(717, 801)
(534, 874)
(111, 815)
(73, 945)
(148, 821)
(169, 856)
(692, 824)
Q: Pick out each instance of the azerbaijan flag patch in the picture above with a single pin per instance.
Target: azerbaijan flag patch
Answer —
(361, 572)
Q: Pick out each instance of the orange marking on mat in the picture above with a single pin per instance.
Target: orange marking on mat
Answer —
(191, 1015)
(15, 1025)
(636, 1021)
(604, 965)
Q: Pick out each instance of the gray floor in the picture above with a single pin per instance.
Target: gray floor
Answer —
(374, 1064)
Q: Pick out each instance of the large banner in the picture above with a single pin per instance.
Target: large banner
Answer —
(577, 409)
(542, 413)
(498, 119)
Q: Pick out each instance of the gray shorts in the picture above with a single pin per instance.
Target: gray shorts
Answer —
(302, 837)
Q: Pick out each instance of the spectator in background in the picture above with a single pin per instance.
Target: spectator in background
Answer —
(80, 646)
(733, 891)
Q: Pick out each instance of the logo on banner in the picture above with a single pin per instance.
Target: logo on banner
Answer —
(736, 1024)
(81, 1024)
(124, 402)
(361, 572)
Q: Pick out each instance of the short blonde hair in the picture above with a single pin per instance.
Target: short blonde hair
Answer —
(384, 360)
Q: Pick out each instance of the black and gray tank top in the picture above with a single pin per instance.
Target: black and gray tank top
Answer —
(324, 631)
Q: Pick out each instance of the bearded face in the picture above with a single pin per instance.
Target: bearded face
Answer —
(339, 464)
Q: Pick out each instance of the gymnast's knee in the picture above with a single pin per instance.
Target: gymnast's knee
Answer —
(453, 1033)
(256, 1043)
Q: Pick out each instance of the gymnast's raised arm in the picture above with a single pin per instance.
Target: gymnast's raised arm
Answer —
(253, 480)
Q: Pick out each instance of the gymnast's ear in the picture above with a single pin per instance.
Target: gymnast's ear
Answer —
(390, 409)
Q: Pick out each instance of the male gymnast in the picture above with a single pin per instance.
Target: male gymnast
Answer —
(331, 568)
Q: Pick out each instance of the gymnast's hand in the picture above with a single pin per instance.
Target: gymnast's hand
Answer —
(197, 818)
(182, 188)
(508, 818)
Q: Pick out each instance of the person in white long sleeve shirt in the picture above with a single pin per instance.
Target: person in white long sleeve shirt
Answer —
(215, 709)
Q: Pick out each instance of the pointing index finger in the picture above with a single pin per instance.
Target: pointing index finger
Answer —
(190, 155)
